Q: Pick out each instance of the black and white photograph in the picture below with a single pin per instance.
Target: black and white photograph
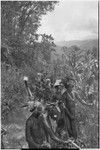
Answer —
(50, 74)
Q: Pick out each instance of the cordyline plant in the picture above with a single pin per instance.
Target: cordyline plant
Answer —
(84, 69)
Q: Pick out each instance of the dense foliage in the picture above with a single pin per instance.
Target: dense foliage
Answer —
(24, 52)
(82, 65)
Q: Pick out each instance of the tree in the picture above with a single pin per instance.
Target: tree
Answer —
(21, 48)
(19, 23)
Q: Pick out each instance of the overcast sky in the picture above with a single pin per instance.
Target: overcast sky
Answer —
(72, 20)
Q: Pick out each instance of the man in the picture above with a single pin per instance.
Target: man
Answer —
(48, 82)
(56, 99)
(66, 89)
(38, 130)
(34, 133)
(57, 93)
(47, 90)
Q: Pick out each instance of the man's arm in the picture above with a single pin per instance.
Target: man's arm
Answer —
(82, 101)
(69, 114)
(63, 107)
(29, 138)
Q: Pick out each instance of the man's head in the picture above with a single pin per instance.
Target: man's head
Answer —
(39, 76)
(57, 85)
(67, 83)
(48, 82)
(36, 106)
(39, 107)
(31, 106)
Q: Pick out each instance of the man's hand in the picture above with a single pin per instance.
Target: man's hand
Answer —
(45, 145)
(72, 142)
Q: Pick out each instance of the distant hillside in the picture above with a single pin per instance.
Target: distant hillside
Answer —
(86, 44)
(82, 44)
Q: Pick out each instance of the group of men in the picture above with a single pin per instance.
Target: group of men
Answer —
(51, 102)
